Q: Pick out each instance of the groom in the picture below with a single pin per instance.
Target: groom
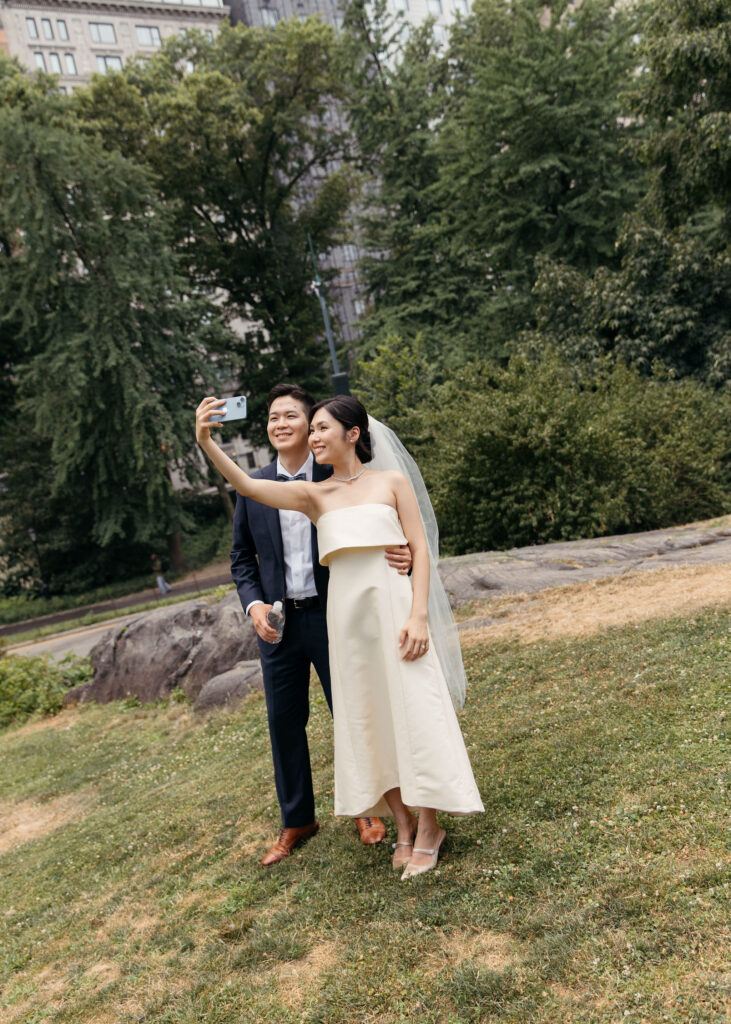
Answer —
(274, 558)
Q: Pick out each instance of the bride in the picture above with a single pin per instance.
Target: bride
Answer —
(397, 740)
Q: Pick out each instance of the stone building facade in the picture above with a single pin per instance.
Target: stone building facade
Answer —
(75, 38)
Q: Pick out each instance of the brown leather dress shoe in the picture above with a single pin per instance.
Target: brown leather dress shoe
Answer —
(288, 839)
(372, 830)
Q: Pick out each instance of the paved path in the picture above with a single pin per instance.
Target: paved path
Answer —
(521, 570)
(203, 579)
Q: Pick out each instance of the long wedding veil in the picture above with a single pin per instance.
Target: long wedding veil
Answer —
(389, 453)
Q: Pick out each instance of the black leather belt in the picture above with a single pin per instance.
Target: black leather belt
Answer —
(300, 603)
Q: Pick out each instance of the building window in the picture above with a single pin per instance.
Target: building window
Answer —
(269, 16)
(434, 7)
(30, 24)
(63, 32)
(47, 28)
(40, 61)
(350, 253)
(359, 307)
(148, 35)
(208, 33)
(70, 64)
(459, 7)
(102, 32)
(104, 64)
(440, 35)
(54, 63)
(401, 5)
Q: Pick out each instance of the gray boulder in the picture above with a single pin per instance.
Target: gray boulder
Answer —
(229, 688)
(179, 646)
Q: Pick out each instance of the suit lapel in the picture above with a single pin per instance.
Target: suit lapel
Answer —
(271, 516)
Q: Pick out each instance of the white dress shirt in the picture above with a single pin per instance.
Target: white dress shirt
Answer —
(299, 576)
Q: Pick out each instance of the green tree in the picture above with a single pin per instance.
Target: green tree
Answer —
(517, 150)
(242, 139)
(684, 96)
(397, 92)
(671, 297)
(110, 342)
(670, 300)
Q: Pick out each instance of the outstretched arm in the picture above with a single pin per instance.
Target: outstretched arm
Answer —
(297, 495)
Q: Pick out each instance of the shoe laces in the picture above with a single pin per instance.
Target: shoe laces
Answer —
(368, 821)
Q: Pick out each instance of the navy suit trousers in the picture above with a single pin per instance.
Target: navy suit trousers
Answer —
(286, 671)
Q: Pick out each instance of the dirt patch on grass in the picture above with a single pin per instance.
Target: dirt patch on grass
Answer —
(296, 980)
(25, 820)
(586, 608)
(64, 720)
(488, 949)
(103, 973)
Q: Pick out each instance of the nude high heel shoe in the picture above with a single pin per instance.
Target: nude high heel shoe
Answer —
(418, 869)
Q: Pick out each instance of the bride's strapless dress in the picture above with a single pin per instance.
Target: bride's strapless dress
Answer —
(394, 720)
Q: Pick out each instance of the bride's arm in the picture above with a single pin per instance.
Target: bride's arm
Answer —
(298, 495)
(414, 638)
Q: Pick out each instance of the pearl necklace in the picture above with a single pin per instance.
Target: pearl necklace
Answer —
(347, 479)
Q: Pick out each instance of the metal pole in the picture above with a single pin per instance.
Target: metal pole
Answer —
(339, 380)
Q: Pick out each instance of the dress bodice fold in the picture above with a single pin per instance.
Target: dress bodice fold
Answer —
(358, 526)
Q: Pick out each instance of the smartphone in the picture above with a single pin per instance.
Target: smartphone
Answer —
(234, 409)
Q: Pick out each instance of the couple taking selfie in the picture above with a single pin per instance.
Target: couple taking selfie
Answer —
(339, 528)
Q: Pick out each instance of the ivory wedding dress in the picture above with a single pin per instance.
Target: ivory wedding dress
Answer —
(394, 720)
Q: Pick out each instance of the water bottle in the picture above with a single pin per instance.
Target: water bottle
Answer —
(275, 618)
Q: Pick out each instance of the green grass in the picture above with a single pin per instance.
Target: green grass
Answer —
(594, 889)
(92, 618)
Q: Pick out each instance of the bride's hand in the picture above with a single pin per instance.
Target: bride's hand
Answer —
(414, 638)
(203, 414)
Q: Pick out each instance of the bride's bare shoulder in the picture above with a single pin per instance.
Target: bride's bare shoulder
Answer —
(393, 476)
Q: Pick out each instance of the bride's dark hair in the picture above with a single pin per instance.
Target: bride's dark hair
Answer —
(349, 412)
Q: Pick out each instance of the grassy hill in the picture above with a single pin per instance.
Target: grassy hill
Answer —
(594, 889)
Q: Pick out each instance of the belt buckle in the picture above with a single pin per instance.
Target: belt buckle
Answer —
(299, 603)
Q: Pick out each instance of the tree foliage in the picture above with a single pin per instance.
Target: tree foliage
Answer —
(684, 97)
(509, 145)
(541, 451)
(242, 141)
(109, 340)
(671, 297)
(670, 300)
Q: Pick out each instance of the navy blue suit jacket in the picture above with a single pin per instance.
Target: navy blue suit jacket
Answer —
(257, 555)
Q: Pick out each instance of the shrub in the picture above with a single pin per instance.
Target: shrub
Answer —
(31, 685)
(542, 451)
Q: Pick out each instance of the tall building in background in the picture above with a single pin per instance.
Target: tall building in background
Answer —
(74, 38)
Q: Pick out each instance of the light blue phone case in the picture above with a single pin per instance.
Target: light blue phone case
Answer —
(235, 409)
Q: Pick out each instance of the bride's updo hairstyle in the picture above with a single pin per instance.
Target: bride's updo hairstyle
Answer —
(349, 412)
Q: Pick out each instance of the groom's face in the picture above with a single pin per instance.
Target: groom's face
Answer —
(287, 426)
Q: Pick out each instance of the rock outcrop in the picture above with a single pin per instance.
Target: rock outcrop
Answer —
(176, 647)
(230, 688)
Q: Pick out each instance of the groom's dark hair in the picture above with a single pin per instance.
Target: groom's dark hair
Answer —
(285, 390)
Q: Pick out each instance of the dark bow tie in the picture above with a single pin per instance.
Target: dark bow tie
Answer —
(283, 476)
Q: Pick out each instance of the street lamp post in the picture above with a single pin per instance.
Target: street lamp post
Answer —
(339, 380)
(34, 540)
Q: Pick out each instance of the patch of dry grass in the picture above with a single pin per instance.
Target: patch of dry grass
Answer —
(584, 609)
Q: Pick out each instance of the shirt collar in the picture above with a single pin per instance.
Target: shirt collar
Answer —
(305, 468)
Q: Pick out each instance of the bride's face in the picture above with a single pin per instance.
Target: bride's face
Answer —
(329, 441)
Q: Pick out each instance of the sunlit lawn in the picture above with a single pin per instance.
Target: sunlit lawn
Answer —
(594, 889)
